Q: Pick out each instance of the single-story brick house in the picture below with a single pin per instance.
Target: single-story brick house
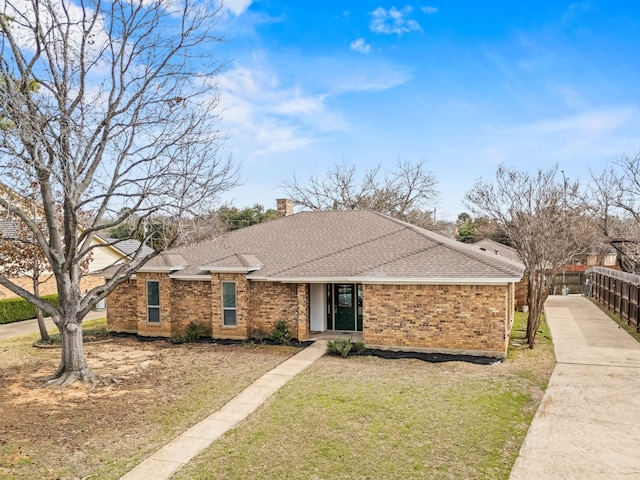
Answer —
(401, 286)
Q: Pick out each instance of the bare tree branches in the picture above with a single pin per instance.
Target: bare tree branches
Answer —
(404, 190)
(544, 220)
(124, 115)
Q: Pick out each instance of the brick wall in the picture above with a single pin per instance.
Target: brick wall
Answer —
(456, 318)
(303, 312)
(122, 308)
(272, 302)
(190, 303)
(465, 318)
(127, 307)
(239, 331)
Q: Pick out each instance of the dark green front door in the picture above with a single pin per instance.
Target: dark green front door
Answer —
(345, 306)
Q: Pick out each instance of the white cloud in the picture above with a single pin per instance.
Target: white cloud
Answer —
(360, 45)
(25, 18)
(263, 116)
(392, 21)
(238, 7)
(589, 124)
(429, 10)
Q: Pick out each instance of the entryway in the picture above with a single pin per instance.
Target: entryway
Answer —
(344, 307)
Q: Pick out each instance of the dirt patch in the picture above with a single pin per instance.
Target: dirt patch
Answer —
(151, 391)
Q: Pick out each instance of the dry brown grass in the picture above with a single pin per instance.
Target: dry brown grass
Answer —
(104, 431)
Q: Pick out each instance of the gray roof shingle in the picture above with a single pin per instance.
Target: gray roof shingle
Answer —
(341, 246)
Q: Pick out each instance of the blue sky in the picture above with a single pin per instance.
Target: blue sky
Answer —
(464, 85)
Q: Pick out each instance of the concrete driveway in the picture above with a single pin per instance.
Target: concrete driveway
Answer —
(588, 424)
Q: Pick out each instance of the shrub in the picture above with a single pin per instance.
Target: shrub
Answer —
(281, 334)
(340, 346)
(191, 334)
(359, 346)
(257, 333)
(18, 309)
(343, 347)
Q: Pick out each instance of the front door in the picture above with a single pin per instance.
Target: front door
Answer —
(345, 306)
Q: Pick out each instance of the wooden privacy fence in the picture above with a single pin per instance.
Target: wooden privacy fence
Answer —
(618, 291)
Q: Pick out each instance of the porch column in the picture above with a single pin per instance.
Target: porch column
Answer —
(303, 317)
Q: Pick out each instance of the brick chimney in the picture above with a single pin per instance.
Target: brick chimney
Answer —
(285, 207)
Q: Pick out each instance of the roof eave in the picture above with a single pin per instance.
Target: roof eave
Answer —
(211, 269)
(152, 269)
(391, 280)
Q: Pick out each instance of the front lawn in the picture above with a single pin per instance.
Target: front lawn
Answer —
(371, 418)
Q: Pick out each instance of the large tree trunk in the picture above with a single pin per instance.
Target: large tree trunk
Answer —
(73, 365)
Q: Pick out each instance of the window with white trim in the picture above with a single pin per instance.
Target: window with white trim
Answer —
(153, 301)
(229, 304)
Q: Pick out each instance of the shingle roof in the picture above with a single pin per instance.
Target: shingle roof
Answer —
(129, 246)
(491, 246)
(341, 246)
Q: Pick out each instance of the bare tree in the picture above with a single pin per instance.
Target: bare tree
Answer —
(22, 258)
(401, 192)
(626, 180)
(603, 197)
(124, 116)
(543, 220)
(613, 198)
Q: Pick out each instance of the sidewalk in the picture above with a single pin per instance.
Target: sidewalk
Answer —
(173, 456)
(16, 329)
(588, 424)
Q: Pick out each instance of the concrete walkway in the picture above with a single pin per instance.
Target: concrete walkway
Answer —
(588, 424)
(173, 456)
(16, 329)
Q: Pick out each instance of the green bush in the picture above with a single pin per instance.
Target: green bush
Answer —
(281, 334)
(342, 347)
(191, 334)
(18, 309)
(360, 347)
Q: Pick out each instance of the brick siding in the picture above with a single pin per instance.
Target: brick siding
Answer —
(450, 318)
(122, 308)
(239, 331)
(272, 302)
(190, 303)
(469, 318)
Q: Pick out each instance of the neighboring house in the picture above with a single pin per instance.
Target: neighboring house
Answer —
(403, 287)
(109, 252)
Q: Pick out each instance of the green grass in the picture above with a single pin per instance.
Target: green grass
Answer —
(370, 418)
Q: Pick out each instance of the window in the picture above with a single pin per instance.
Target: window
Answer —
(153, 301)
(229, 304)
